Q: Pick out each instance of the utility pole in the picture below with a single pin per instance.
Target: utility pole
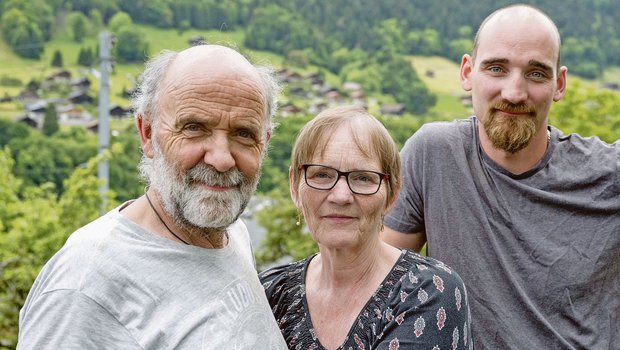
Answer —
(105, 46)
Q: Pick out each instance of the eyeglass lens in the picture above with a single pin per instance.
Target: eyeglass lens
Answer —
(325, 178)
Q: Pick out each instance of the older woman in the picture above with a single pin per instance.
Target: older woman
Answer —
(359, 292)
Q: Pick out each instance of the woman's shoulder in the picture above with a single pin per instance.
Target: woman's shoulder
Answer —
(423, 270)
(282, 277)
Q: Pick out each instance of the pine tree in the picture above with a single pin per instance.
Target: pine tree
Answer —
(50, 121)
(57, 59)
(85, 57)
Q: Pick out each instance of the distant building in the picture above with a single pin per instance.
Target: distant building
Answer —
(33, 122)
(352, 86)
(466, 100)
(289, 109)
(80, 97)
(61, 74)
(80, 83)
(315, 79)
(38, 106)
(395, 109)
(196, 40)
(119, 112)
(288, 76)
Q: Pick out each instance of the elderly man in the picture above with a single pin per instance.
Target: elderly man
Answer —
(528, 216)
(172, 269)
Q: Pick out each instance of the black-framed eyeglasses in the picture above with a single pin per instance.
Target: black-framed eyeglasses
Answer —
(322, 177)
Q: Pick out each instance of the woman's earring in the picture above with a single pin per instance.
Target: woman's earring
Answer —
(298, 219)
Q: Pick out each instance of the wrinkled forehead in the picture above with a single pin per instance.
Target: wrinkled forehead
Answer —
(218, 76)
(211, 62)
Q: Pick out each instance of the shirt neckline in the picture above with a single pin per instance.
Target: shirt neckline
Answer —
(534, 170)
(380, 295)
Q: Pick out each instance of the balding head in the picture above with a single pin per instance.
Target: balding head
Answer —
(213, 60)
(171, 67)
(522, 19)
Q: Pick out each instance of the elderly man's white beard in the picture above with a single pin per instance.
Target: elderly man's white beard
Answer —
(188, 202)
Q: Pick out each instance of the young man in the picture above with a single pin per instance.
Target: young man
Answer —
(528, 216)
(172, 269)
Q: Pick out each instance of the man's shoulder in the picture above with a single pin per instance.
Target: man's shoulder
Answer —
(586, 150)
(80, 254)
(441, 137)
(438, 131)
(586, 142)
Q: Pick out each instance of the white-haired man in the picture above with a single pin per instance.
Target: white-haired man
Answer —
(172, 269)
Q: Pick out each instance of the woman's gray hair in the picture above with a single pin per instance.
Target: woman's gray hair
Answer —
(147, 93)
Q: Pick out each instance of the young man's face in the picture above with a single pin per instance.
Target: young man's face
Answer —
(514, 80)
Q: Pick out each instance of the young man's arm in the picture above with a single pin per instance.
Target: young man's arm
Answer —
(414, 240)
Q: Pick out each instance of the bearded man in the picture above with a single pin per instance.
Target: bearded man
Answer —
(528, 216)
(172, 269)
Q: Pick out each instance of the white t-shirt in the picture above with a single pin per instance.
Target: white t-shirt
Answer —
(115, 285)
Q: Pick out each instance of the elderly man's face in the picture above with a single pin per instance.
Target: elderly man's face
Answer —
(208, 145)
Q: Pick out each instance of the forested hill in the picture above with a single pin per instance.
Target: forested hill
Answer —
(590, 28)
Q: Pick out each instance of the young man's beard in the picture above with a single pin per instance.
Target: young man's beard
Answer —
(192, 205)
(511, 134)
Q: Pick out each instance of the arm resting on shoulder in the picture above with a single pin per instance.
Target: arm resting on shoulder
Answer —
(414, 241)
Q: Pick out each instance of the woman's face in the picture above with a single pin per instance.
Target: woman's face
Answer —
(338, 218)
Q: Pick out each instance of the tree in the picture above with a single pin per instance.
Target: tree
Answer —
(275, 29)
(275, 169)
(155, 12)
(364, 72)
(131, 45)
(79, 26)
(284, 237)
(57, 59)
(458, 47)
(10, 130)
(23, 35)
(85, 57)
(37, 225)
(125, 155)
(584, 57)
(387, 35)
(588, 112)
(96, 20)
(119, 21)
(424, 42)
(37, 12)
(41, 159)
(50, 120)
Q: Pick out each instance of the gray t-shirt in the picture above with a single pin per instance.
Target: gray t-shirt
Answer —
(539, 252)
(115, 285)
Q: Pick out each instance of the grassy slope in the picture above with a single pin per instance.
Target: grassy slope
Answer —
(444, 83)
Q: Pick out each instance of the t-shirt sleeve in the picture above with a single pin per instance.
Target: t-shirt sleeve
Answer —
(68, 319)
(407, 214)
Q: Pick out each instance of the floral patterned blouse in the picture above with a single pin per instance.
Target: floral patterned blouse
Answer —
(421, 304)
